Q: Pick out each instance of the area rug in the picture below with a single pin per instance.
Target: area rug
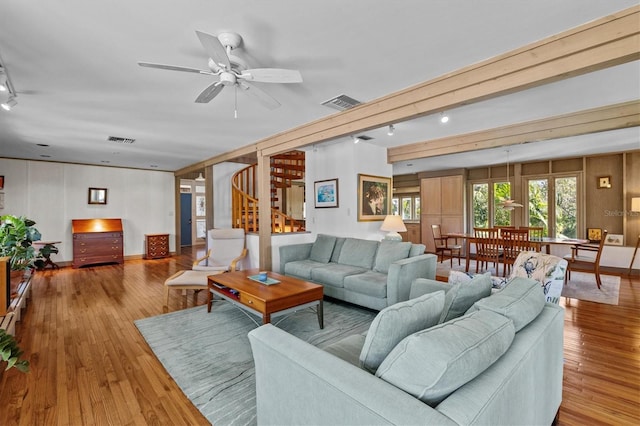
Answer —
(209, 355)
(583, 286)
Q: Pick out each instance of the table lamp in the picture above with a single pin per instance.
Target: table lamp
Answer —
(393, 224)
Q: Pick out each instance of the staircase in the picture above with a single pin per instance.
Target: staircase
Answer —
(285, 168)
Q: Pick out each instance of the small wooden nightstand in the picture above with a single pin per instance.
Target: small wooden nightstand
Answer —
(156, 246)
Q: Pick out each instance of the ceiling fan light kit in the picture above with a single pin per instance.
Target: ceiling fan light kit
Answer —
(509, 204)
(232, 70)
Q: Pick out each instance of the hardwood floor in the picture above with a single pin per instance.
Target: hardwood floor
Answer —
(91, 366)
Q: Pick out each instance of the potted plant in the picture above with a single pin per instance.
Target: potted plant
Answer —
(17, 234)
(11, 353)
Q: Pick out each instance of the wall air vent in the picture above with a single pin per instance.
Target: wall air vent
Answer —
(120, 140)
(341, 103)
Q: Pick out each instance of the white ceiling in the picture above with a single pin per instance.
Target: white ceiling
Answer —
(74, 67)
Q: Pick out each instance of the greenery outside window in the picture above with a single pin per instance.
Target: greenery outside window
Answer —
(407, 206)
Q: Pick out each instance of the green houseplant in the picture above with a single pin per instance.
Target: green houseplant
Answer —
(11, 353)
(17, 234)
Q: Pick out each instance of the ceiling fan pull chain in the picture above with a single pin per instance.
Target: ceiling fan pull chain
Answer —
(235, 106)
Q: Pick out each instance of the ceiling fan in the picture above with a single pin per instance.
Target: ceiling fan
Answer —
(509, 204)
(232, 71)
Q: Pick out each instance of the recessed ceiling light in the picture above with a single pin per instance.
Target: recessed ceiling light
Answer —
(444, 118)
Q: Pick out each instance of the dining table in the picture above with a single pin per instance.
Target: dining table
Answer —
(538, 243)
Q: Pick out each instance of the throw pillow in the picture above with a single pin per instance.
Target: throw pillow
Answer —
(521, 301)
(389, 252)
(395, 322)
(464, 294)
(431, 364)
(322, 248)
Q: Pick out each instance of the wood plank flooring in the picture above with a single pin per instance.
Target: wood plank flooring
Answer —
(91, 366)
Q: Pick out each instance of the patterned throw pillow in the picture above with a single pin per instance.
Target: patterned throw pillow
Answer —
(460, 277)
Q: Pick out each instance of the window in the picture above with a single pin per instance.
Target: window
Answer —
(488, 198)
(480, 202)
(407, 206)
(553, 204)
(501, 193)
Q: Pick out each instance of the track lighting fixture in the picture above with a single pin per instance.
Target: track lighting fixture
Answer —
(355, 139)
(200, 178)
(391, 130)
(444, 118)
(9, 104)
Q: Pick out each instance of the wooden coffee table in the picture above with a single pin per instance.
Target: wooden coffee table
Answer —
(266, 301)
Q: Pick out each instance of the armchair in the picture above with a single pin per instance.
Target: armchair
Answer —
(547, 269)
(587, 263)
(226, 250)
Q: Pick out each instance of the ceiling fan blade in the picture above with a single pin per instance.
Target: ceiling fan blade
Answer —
(210, 93)
(174, 68)
(261, 96)
(214, 49)
(272, 75)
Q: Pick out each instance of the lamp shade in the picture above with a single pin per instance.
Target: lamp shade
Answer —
(635, 204)
(393, 224)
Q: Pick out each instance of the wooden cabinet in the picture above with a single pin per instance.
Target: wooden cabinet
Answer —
(442, 203)
(97, 241)
(156, 246)
(413, 233)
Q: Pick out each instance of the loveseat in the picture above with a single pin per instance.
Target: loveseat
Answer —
(450, 355)
(373, 274)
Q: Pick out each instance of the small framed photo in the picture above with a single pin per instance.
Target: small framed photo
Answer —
(97, 195)
(326, 193)
(604, 182)
(374, 197)
(594, 235)
(614, 239)
(1, 182)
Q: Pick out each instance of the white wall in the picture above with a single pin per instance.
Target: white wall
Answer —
(343, 160)
(52, 194)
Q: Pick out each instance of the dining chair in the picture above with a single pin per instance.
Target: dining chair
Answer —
(514, 242)
(442, 245)
(488, 247)
(536, 233)
(586, 263)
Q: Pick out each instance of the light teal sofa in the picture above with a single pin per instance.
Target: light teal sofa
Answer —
(373, 274)
(499, 363)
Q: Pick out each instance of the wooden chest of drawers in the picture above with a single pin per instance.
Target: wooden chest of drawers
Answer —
(156, 246)
(97, 241)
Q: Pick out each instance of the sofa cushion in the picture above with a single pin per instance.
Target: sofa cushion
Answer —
(357, 252)
(348, 348)
(322, 248)
(394, 323)
(464, 294)
(388, 252)
(335, 256)
(370, 283)
(301, 268)
(521, 300)
(432, 363)
(333, 274)
(417, 250)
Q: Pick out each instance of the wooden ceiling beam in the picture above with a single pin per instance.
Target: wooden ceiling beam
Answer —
(611, 117)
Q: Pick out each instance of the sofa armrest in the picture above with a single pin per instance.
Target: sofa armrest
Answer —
(422, 286)
(402, 273)
(298, 383)
(293, 252)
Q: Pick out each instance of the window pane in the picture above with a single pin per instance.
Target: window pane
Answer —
(394, 206)
(501, 193)
(406, 208)
(539, 204)
(480, 204)
(416, 206)
(566, 207)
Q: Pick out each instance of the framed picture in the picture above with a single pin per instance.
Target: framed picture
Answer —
(614, 239)
(374, 197)
(97, 195)
(604, 182)
(326, 193)
(594, 234)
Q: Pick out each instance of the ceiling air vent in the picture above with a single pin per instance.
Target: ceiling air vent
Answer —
(341, 102)
(364, 137)
(120, 140)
